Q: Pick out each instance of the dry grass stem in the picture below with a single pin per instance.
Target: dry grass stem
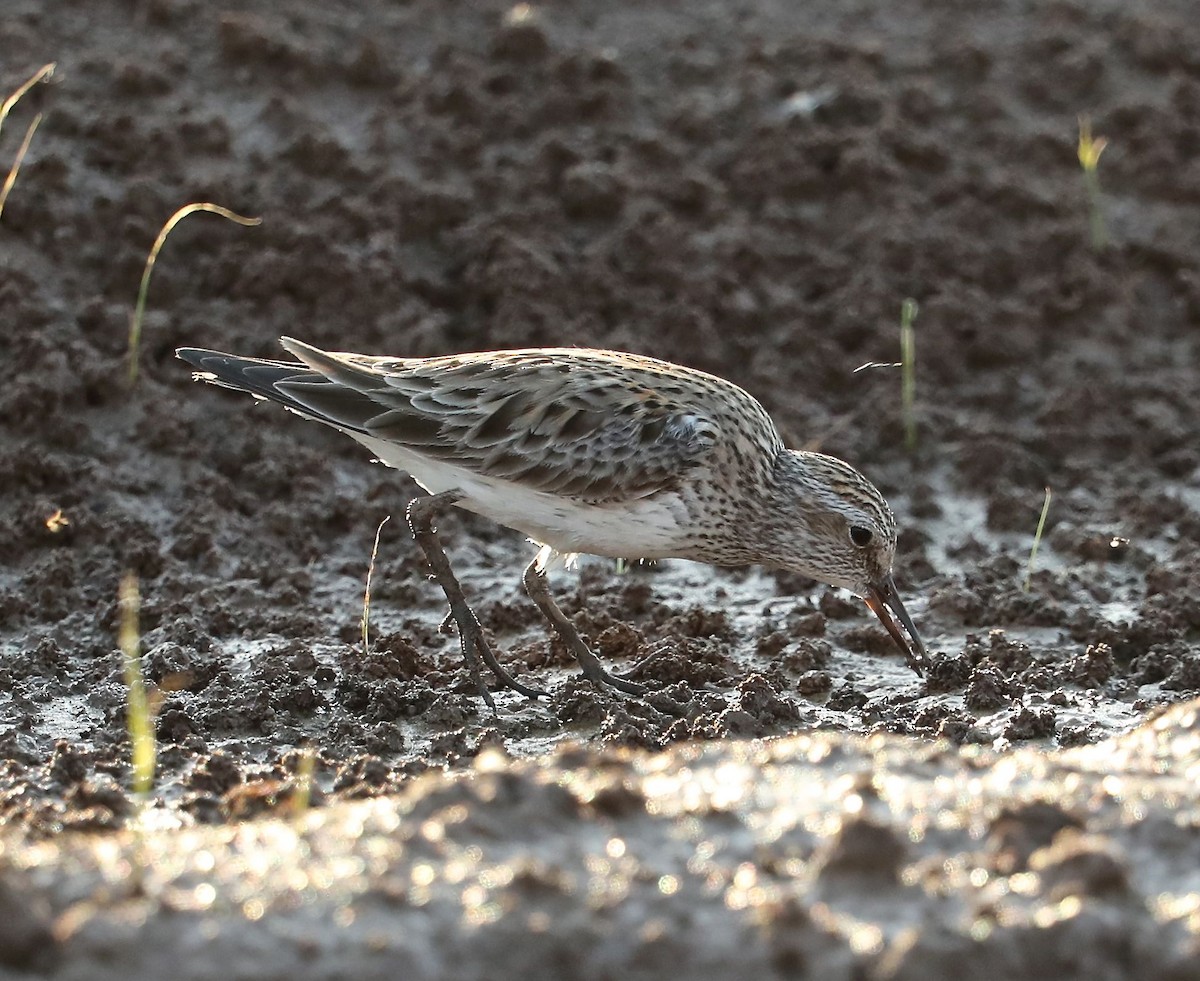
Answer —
(40, 75)
(366, 613)
(139, 310)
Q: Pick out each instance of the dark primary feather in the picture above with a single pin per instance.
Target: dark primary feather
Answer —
(262, 378)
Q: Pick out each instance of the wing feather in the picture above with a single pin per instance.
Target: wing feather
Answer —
(590, 425)
(596, 435)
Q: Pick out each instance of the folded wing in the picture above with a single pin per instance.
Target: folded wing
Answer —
(586, 426)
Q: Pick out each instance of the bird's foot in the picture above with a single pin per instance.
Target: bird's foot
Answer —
(475, 647)
(628, 675)
(471, 638)
(594, 671)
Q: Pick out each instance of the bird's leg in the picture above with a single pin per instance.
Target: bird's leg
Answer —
(593, 670)
(474, 644)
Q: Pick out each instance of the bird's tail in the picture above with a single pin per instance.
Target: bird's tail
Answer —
(292, 384)
(257, 376)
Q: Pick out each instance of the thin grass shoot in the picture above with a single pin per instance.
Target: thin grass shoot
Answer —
(144, 751)
(1037, 541)
(303, 782)
(908, 379)
(42, 74)
(1089, 151)
(366, 613)
(139, 310)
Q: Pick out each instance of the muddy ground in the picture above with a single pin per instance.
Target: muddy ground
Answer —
(749, 188)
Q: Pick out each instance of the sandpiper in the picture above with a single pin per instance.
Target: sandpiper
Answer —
(590, 451)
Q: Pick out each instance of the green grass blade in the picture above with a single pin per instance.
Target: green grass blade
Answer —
(1089, 152)
(1037, 541)
(1096, 224)
(908, 379)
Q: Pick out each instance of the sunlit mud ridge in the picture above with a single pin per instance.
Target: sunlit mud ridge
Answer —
(822, 854)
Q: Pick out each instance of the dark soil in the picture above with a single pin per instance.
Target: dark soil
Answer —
(751, 189)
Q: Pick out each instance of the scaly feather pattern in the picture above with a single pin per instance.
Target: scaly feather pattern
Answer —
(596, 451)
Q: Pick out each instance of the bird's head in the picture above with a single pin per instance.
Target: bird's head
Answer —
(847, 538)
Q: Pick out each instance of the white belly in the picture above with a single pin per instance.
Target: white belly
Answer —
(641, 528)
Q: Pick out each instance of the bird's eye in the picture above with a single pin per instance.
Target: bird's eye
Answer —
(860, 536)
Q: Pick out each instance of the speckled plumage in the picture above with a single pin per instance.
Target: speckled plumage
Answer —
(599, 452)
